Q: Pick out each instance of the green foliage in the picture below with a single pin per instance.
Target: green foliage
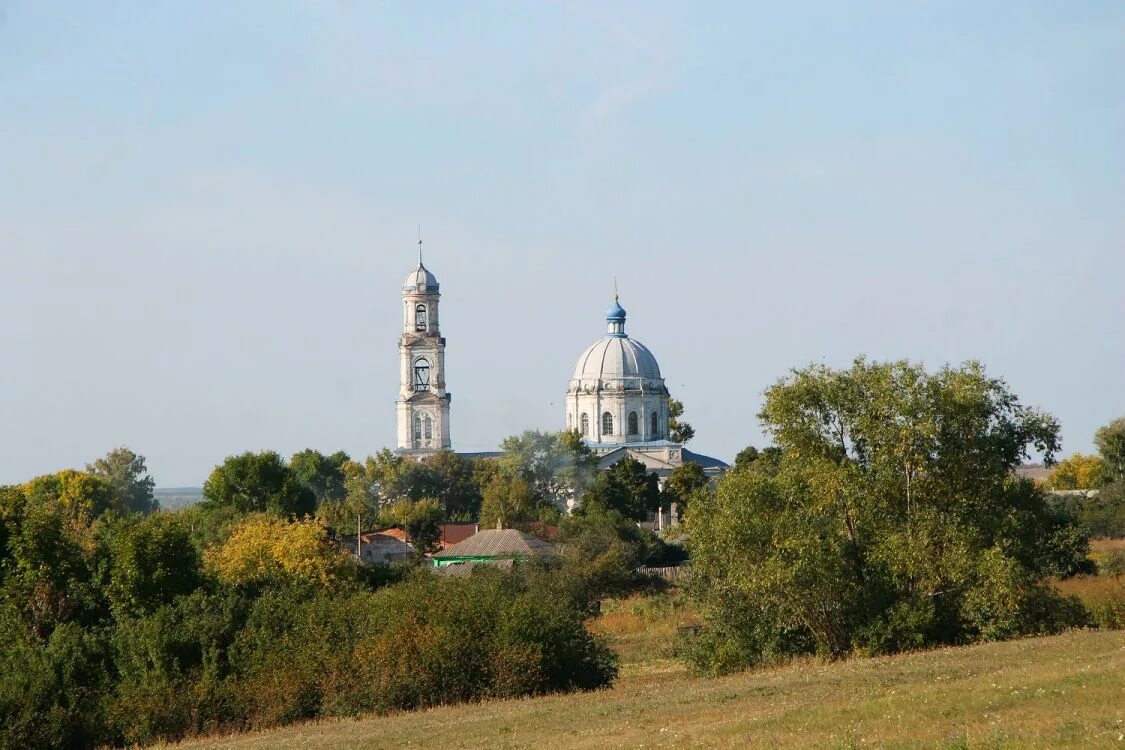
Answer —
(557, 466)
(448, 478)
(51, 688)
(257, 483)
(130, 485)
(750, 454)
(421, 519)
(678, 430)
(150, 563)
(321, 475)
(684, 481)
(1110, 441)
(892, 520)
(507, 502)
(1104, 513)
(625, 488)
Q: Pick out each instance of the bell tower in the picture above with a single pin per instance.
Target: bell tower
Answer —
(423, 403)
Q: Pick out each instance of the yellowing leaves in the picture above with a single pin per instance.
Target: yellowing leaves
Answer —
(264, 549)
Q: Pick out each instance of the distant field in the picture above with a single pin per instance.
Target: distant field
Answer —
(1058, 692)
(177, 497)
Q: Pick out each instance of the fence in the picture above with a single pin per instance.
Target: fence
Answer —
(670, 573)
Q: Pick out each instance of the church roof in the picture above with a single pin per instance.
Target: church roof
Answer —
(615, 358)
(420, 280)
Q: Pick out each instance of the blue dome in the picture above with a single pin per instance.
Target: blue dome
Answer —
(616, 313)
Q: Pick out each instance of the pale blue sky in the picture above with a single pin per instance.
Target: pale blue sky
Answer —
(207, 210)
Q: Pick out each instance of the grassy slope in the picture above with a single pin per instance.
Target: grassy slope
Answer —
(1063, 691)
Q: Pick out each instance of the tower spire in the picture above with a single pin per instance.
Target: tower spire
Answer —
(419, 244)
(615, 288)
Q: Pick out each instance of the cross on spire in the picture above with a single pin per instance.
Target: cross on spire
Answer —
(419, 244)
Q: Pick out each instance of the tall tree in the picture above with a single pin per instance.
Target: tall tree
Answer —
(556, 466)
(893, 521)
(129, 481)
(420, 519)
(320, 474)
(684, 481)
(507, 501)
(678, 430)
(1111, 444)
(625, 488)
(448, 478)
(257, 482)
(1077, 473)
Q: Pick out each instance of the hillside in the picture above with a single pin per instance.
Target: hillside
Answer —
(1057, 692)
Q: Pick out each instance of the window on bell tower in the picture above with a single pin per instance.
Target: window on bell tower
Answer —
(585, 421)
(655, 426)
(607, 423)
(420, 318)
(634, 427)
(422, 375)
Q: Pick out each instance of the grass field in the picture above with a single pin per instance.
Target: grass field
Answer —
(1058, 692)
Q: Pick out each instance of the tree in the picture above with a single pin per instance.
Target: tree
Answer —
(150, 562)
(448, 478)
(257, 482)
(1111, 444)
(625, 488)
(893, 521)
(420, 519)
(750, 455)
(1077, 473)
(79, 497)
(266, 551)
(557, 466)
(130, 484)
(680, 431)
(507, 501)
(684, 481)
(320, 474)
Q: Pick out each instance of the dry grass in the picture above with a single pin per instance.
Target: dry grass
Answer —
(1103, 545)
(1057, 692)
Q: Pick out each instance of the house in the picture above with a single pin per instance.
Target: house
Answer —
(381, 547)
(492, 546)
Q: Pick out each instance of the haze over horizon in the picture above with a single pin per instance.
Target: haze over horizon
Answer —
(207, 212)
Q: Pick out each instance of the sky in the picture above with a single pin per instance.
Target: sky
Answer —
(207, 211)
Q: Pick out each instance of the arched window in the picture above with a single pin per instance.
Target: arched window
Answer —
(429, 427)
(422, 374)
(585, 423)
(417, 427)
(420, 318)
(655, 426)
(633, 426)
(607, 423)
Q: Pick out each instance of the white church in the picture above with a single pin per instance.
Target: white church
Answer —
(616, 398)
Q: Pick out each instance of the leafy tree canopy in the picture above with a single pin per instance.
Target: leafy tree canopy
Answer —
(421, 519)
(557, 466)
(1111, 444)
(893, 520)
(1077, 473)
(320, 474)
(129, 482)
(678, 430)
(267, 551)
(257, 483)
(625, 488)
(507, 502)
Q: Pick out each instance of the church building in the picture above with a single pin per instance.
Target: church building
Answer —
(618, 402)
(616, 398)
